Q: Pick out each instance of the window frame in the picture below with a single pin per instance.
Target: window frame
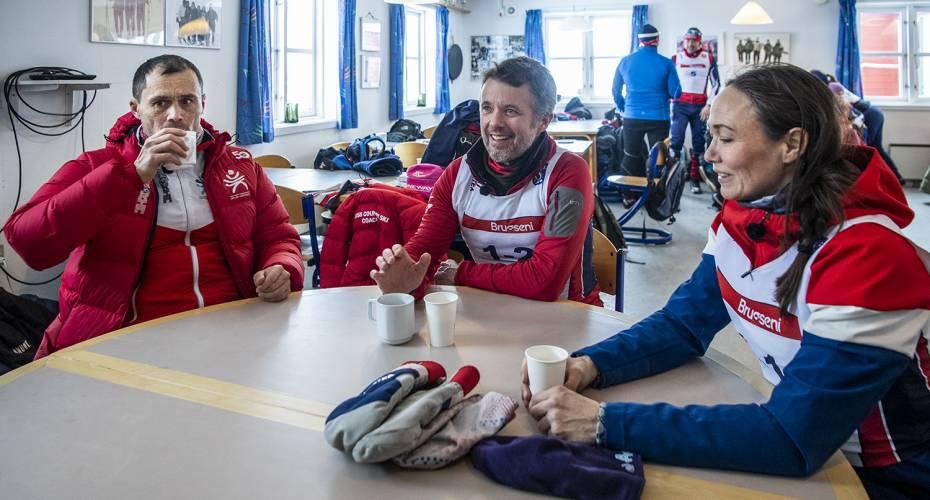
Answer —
(280, 51)
(427, 55)
(908, 57)
(587, 57)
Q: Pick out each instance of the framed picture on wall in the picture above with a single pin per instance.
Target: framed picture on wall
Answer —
(371, 34)
(193, 23)
(760, 48)
(136, 22)
(487, 50)
(710, 43)
(371, 71)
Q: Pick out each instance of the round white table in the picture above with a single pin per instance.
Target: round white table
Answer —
(229, 402)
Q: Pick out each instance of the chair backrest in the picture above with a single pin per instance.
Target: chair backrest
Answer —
(428, 131)
(605, 263)
(409, 152)
(340, 145)
(273, 161)
(293, 203)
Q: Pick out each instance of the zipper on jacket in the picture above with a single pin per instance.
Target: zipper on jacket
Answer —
(195, 264)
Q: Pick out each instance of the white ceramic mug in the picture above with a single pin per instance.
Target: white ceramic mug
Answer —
(440, 317)
(545, 365)
(393, 313)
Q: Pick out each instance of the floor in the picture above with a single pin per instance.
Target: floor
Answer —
(653, 273)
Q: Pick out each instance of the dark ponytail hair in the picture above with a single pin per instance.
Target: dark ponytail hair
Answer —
(784, 97)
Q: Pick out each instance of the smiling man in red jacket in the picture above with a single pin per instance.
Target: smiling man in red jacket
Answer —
(522, 204)
(146, 236)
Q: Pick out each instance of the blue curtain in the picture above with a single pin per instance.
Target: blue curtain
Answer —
(442, 61)
(640, 19)
(848, 69)
(396, 100)
(348, 100)
(533, 34)
(254, 121)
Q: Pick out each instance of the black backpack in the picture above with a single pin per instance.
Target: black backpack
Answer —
(324, 158)
(404, 130)
(22, 323)
(606, 222)
(667, 180)
(577, 108)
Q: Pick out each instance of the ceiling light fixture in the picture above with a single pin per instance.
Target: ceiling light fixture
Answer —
(751, 13)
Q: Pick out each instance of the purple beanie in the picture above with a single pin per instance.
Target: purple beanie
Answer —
(552, 466)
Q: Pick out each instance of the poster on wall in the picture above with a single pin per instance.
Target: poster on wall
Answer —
(371, 71)
(193, 23)
(489, 49)
(136, 22)
(710, 43)
(761, 48)
(371, 34)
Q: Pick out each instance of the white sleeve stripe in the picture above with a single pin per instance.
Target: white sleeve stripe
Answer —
(711, 242)
(894, 330)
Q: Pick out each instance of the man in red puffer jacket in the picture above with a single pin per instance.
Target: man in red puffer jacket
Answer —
(147, 235)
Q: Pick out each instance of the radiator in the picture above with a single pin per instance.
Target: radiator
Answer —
(912, 159)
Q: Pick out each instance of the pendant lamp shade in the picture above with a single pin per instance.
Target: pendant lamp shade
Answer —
(751, 13)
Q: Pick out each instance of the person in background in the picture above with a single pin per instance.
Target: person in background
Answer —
(873, 118)
(522, 204)
(145, 237)
(808, 260)
(698, 74)
(651, 81)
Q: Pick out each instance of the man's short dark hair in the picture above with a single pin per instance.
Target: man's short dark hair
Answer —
(522, 70)
(167, 64)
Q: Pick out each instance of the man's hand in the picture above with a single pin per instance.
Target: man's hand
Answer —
(397, 272)
(565, 414)
(165, 147)
(580, 372)
(273, 283)
(705, 112)
(445, 275)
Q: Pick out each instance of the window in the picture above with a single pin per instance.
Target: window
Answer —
(419, 56)
(894, 45)
(304, 50)
(583, 62)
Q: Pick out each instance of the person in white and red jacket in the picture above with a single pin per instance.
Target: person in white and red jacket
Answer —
(522, 205)
(144, 238)
(808, 261)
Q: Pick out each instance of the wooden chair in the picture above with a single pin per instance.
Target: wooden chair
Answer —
(300, 211)
(409, 152)
(428, 131)
(608, 268)
(273, 161)
(340, 145)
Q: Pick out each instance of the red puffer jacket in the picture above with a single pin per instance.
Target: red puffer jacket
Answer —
(96, 210)
(369, 221)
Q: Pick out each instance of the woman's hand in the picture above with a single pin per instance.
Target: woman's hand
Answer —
(580, 373)
(565, 414)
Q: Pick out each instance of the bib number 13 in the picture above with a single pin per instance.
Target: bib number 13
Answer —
(522, 253)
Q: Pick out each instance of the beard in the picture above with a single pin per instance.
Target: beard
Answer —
(510, 149)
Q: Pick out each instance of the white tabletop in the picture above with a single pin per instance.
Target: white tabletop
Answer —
(581, 127)
(229, 401)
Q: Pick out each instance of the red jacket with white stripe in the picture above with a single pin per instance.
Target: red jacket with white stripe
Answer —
(96, 213)
(554, 266)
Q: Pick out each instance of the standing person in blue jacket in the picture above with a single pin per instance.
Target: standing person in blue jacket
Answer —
(651, 82)
(808, 261)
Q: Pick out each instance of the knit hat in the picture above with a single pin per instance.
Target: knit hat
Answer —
(423, 176)
(648, 35)
(548, 465)
(693, 34)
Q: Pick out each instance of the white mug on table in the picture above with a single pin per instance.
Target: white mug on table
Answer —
(393, 313)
